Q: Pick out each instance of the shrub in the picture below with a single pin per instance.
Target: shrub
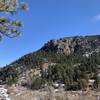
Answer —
(37, 83)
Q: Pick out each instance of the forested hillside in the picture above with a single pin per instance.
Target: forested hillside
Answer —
(71, 61)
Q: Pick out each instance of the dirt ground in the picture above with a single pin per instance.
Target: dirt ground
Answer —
(20, 93)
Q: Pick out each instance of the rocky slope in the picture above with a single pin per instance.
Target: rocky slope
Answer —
(50, 54)
(70, 45)
(3, 93)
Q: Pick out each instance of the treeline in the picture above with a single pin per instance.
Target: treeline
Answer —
(74, 71)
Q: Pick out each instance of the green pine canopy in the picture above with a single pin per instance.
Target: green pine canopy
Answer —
(8, 5)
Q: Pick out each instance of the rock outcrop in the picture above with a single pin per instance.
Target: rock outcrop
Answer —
(3, 93)
(69, 45)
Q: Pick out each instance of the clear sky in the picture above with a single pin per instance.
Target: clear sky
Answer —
(51, 19)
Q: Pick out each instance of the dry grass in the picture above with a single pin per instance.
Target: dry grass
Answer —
(51, 95)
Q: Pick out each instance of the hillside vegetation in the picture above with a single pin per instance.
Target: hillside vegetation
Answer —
(71, 61)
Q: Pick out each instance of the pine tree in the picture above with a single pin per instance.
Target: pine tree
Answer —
(8, 26)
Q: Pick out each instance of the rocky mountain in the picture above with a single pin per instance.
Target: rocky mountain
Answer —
(76, 44)
(70, 50)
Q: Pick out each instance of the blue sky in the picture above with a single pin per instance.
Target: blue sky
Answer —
(51, 19)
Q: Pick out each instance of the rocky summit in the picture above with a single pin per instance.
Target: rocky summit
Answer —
(69, 45)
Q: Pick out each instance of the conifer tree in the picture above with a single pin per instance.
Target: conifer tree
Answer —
(9, 26)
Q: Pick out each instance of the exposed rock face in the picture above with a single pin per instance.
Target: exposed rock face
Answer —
(60, 46)
(70, 45)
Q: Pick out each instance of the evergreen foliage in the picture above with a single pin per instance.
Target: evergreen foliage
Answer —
(10, 27)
